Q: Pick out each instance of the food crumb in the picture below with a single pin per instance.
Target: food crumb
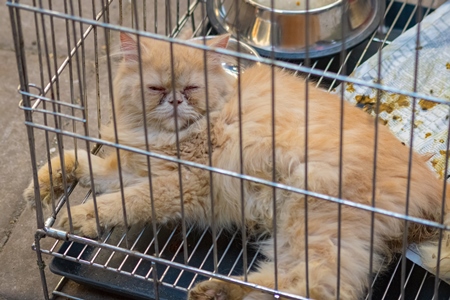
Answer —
(439, 165)
(447, 65)
(383, 121)
(441, 141)
(397, 118)
(417, 123)
(387, 107)
(428, 134)
(426, 105)
(434, 162)
(364, 99)
(298, 3)
(402, 101)
(350, 88)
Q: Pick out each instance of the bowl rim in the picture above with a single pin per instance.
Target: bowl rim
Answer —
(313, 52)
(294, 12)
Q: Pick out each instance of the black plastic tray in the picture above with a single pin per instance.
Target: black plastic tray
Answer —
(170, 243)
(419, 283)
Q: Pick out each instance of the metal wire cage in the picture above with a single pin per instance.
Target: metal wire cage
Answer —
(70, 97)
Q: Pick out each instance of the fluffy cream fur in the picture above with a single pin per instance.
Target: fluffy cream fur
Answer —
(256, 101)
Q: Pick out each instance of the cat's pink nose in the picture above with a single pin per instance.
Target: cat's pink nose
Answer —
(179, 101)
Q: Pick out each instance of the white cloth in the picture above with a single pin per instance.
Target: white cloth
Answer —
(397, 70)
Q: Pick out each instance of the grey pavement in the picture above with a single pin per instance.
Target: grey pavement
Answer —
(19, 273)
(19, 276)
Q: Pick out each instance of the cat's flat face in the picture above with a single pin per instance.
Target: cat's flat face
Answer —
(183, 94)
(173, 85)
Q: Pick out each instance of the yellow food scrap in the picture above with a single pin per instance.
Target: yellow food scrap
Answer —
(441, 141)
(439, 163)
(350, 88)
(434, 162)
(425, 104)
(364, 99)
(393, 102)
(417, 123)
(402, 101)
(397, 118)
(367, 108)
(298, 3)
(447, 65)
(387, 107)
(428, 134)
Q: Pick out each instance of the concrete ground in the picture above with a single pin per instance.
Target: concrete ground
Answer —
(19, 273)
(19, 276)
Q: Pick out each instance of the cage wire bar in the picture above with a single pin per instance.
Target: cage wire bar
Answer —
(67, 109)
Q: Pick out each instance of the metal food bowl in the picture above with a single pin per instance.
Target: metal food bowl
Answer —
(230, 63)
(284, 31)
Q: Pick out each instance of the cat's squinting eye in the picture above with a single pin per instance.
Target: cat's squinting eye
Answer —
(158, 89)
(190, 88)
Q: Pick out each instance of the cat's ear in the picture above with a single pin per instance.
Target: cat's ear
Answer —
(128, 46)
(220, 41)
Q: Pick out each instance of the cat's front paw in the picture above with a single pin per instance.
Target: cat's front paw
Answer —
(216, 290)
(83, 220)
(51, 185)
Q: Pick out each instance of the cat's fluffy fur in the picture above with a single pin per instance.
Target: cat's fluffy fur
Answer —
(323, 170)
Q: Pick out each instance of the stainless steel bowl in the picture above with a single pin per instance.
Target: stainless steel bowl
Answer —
(283, 31)
(230, 63)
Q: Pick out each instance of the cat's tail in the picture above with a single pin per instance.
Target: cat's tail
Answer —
(435, 261)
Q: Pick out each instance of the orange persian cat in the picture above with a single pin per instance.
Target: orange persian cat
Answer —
(187, 89)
